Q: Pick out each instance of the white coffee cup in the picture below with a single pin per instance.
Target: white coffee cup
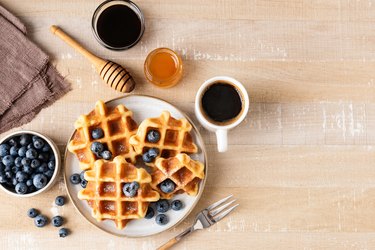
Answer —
(221, 129)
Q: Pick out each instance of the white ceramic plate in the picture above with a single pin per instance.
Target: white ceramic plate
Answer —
(143, 107)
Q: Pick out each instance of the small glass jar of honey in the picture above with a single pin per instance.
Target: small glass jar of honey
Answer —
(163, 67)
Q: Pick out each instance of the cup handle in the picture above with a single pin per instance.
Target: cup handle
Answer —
(222, 140)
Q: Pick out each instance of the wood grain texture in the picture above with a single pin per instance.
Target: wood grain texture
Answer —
(302, 162)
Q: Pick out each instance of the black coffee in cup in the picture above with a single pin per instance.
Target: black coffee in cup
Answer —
(222, 102)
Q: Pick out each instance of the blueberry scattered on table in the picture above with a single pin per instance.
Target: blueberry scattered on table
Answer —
(130, 189)
(106, 155)
(97, 147)
(162, 206)
(40, 181)
(97, 133)
(4, 150)
(150, 213)
(63, 232)
(161, 219)
(167, 186)
(40, 220)
(32, 212)
(176, 205)
(75, 179)
(153, 136)
(57, 221)
(60, 201)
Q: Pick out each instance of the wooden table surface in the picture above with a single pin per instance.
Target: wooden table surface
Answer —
(301, 164)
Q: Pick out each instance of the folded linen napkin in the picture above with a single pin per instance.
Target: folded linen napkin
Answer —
(28, 82)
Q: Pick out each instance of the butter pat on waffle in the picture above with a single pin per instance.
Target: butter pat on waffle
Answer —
(104, 191)
(118, 127)
(175, 136)
(183, 171)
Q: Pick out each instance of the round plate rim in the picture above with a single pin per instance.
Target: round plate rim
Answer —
(201, 185)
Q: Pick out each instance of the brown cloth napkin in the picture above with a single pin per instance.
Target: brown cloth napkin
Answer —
(28, 82)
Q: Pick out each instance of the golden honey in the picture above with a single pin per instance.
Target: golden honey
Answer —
(163, 67)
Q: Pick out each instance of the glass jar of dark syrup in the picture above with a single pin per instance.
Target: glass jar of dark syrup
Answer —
(118, 24)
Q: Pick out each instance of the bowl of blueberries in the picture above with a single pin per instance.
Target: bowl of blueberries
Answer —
(29, 163)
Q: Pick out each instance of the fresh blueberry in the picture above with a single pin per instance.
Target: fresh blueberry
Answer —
(31, 153)
(40, 220)
(21, 188)
(82, 175)
(4, 150)
(51, 165)
(60, 200)
(167, 186)
(97, 147)
(35, 137)
(83, 183)
(146, 158)
(30, 145)
(25, 161)
(15, 169)
(153, 136)
(153, 152)
(14, 181)
(8, 175)
(43, 157)
(57, 221)
(18, 162)
(8, 160)
(162, 206)
(106, 155)
(21, 176)
(75, 179)
(150, 213)
(49, 174)
(27, 169)
(13, 151)
(32, 212)
(13, 141)
(130, 189)
(46, 148)
(22, 151)
(35, 163)
(38, 143)
(161, 219)
(25, 139)
(40, 181)
(63, 232)
(42, 169)
(97, 133)
(29, 182)
(176, 205)
(3, 179)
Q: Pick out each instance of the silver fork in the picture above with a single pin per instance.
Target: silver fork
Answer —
(205, 218)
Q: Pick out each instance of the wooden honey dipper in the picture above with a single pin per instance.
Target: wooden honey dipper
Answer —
(112, 73)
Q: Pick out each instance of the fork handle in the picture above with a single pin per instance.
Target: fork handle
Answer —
(176, 239)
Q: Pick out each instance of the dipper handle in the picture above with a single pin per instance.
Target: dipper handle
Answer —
(116, 76)
(97, 61)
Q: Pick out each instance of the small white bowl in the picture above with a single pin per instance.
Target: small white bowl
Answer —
(56, 152)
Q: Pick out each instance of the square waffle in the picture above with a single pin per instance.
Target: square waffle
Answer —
(182, 170)
(104, 191)
(175, 136)
(118, 127)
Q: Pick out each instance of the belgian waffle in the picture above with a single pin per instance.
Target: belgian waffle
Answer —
(104, 191)
(185, 172)
(118, 127)
(175, 136)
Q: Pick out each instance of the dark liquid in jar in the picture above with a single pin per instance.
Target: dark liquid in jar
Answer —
(119, 26)
(221, 102)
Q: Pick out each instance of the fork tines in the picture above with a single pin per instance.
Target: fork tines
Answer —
(221, 208)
